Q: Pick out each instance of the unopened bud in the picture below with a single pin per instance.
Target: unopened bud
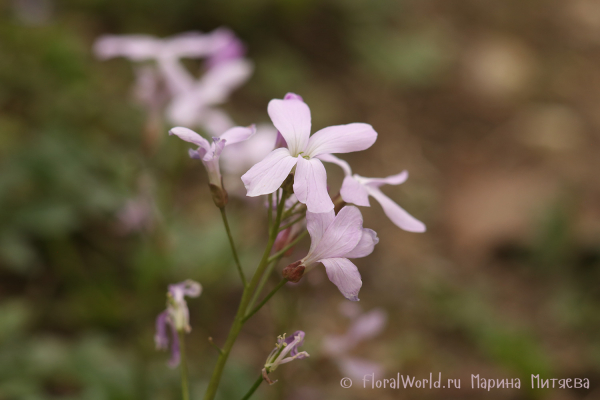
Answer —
(219, 195)
(294, 271)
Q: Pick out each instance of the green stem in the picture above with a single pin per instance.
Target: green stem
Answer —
(238, 322)
(263, 281)
(184, 372)
(281, 252)
(267, 298)
(300, 218)
(233, 250)
(253, 388)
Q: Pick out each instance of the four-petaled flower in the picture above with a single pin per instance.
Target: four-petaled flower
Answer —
(285, 350)
(356, 189)
(335, 239)
(292, 119)
(176, 317)
(209, 153)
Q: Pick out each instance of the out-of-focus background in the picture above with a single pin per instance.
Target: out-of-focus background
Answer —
(493, 107)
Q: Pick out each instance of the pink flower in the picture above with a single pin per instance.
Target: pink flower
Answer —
(285, 351)
(357, 189)
(292, 119)
(364, 327)
(335, 239)
(209, 153)
(193, 99)
(175, 318)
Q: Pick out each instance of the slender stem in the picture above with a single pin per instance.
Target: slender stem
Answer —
(238, 322)
(300, 218)
(184, 372)
(261, 284)
(281, 252)
(267, 298)
(270, 211)
(213, 344)
(253, 388)
(233, 250)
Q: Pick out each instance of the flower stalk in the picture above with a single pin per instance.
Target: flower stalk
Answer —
(239, 319)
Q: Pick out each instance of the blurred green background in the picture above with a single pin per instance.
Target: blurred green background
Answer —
(493, 107)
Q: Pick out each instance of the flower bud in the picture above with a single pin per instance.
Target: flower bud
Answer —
(219, 195)
(294, 271)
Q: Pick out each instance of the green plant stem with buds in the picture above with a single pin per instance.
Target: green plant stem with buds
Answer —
(253, 388)
(249, 289)
(185, 392)
(232, 244)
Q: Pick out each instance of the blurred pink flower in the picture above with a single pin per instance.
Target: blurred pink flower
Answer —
(209, 153)
(338, 347)
(357, 189)
(291, 116)
(175, 318)
(335, 239)
(192, 100)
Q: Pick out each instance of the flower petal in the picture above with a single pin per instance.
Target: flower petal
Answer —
(333, 159)
(317, 224)
(341, 139)
(390, 180)
(190, 136)
(340, 237)
(175, 351)
(354, 193)
(238, 134)
(268, 175)
(395, 213)
(344, 274)
(367, 326)
(366, 244)
(292, 119)
(161, 340)
(310, 185)
(134, 47)
(187, 288)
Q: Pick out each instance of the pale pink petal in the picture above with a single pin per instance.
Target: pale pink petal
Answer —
(367, 326)
(395, 213)
(354, 193)
(310, 185)
(134, 47)
(215, 121)
(344, 274)
(268, 175)
(189, 45)
(340, 237)
(190, 136)
(317, 224)
(341, 139)
(218, 82)
(292, 119)
(238, 134)
(366, 244)
(357, 368)
(390, 180)
(330, 158)
(176, 76)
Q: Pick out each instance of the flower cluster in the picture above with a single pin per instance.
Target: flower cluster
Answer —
(335, 239)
